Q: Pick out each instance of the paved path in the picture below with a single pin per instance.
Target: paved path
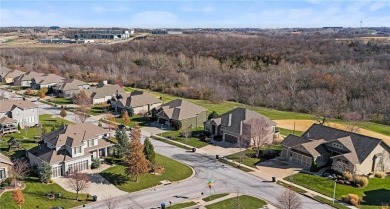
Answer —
(226, 178)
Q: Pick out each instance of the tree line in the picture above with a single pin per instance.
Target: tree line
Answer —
(314, 74)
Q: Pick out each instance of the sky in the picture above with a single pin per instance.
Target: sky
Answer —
(194, 14)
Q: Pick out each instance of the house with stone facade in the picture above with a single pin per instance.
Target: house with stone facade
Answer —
(69, 87)
(341, 150)
(240, 123)
(5, 167)
(71, 148)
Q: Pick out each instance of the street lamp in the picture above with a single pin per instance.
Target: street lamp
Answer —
(196, 122)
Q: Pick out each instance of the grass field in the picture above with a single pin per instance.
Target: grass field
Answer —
(174, 171)
(214, 197)
(271, 113)
(374, 194)
(181, 205)
(192, 141)
(247, 202)
(27, 137)
(35, 195)
(286, 132)
(63, 101)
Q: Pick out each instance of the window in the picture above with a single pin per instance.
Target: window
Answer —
(2, 173)
(91, 143)
(77, 150)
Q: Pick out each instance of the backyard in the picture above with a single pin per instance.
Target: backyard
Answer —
(29, 137)
(173, 171)
(35, 195)
(376, 193)
(194, 140)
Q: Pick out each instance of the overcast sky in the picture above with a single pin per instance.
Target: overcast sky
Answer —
(201, 13)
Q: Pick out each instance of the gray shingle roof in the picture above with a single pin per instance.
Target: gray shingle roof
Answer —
(102, 91)
(14, 74)
(48, 79)
(70, 84)
(180, 109)
(137, 99)
(5, 159)
(4, 71)
(10, 104)
(5, 120)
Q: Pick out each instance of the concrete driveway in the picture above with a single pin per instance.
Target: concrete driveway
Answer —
(277, 167)
(98, 186)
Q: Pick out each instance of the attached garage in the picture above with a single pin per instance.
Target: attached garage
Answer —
(231, 139)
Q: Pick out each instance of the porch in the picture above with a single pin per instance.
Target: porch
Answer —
(9, 126)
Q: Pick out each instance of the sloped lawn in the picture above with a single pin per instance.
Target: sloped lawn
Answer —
(174, 171)
(35, 195)
(374, 194)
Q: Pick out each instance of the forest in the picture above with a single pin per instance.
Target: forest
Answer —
(317, 74)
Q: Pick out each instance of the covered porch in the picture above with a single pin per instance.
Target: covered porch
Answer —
(8, 125)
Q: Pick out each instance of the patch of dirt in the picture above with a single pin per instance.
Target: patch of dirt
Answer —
(303, 125)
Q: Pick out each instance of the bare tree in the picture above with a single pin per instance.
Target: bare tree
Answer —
(352, 118)
(289, 200)
(241, 144)
(19, 170)
(259, 131)
(84, 101)
(110, 202)
(186, 132)
(78, 182)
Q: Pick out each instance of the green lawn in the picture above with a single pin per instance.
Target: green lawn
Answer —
(26, 137)
(135, 120)
(63, 101)
(35, 197)
(271, 113)
(374, 194)
(286, 132)
(249, 156)
(171, 142)
(174, 171)
(98, 109)
(181, 205)
(214, 197)
(192, 141)
(247, 202)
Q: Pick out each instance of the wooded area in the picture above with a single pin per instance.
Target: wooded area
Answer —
(305, 73)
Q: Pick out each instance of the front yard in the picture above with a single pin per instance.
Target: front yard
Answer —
(174, 171)
(244, 201)
(376, 193)
(194, 140)
(35, 195)
(249, 155)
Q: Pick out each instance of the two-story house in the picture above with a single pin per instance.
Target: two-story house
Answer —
(14, 113)
(5, 167)
(71, 148)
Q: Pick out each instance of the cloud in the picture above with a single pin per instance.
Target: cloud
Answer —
(154, 19)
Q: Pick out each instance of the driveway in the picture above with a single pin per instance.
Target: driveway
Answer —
(278, 168)
(99, 186)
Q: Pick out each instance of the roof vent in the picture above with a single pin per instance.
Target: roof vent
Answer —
(308, 135)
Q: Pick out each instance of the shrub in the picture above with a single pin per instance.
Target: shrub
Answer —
(158, 169)
(313, 167)
(6, 182)
(95, 163)
(361, 180)
(352, 199)
(348, 176)
(379, 174)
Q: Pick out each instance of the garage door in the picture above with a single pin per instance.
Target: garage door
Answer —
(230, 138)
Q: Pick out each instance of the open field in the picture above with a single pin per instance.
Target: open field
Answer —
(303, 125)
(173, 171)
(374, 194)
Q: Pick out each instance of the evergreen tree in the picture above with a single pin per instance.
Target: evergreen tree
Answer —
(135, 161)
(212, 115)
(44, 172)
(149, 151)
(123, 142)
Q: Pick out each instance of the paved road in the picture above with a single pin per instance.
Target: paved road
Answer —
(206, 167)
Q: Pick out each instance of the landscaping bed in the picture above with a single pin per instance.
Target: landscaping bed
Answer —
(374, 194)
(173, 171)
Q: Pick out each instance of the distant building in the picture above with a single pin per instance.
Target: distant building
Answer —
(102, 34)
(54, 27)
(166, 32)
(175, 32)
(66, 41)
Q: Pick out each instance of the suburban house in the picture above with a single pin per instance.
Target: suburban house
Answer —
(46, 81)
(103, 92)
(140, 101)
(187, 113)
(240, 123)
(5, 167)
(342, 150)
(3, 72)
(69, 87)
(71, 148)
(25, 80)
(9, 78)
(17, 112)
